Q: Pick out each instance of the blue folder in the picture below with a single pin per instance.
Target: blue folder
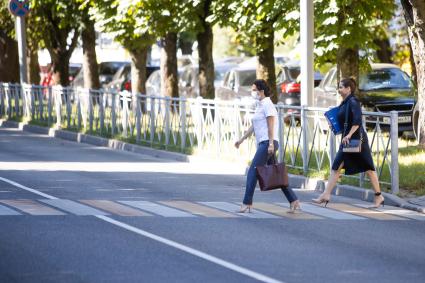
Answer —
(332, 118)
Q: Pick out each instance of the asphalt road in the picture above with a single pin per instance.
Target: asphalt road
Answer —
(78, 213)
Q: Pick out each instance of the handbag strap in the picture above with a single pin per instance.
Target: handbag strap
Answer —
(272, 157)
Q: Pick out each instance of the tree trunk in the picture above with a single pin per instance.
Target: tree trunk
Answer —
(60, 68)
(169, 85)
(9, 59)
(205, 51)
(414, 76)
(33, 70)
(348, 63)
(266, 66)
(138, 70)
(185, 43)
(90, 67)
(414, 13)
(384, 53)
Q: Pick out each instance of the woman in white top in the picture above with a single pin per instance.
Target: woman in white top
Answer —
(264, 126)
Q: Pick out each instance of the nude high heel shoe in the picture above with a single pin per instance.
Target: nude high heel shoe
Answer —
(244, 209)
(379, 200)
(294, 206)
(321, 200)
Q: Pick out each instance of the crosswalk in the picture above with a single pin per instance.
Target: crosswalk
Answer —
(203, 209)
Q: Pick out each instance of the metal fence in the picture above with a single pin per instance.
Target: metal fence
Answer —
(201, 126)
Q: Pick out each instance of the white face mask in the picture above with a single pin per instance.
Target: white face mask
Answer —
(255, 95)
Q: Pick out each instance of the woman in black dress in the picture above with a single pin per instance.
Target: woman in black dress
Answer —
(353, 163)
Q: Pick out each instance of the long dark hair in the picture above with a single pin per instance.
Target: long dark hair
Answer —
(262, 85)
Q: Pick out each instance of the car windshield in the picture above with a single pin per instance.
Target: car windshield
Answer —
(246, 78)
(385, 79)
(294, 72)
(110, 68)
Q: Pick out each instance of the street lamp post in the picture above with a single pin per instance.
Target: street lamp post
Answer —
(307, 71)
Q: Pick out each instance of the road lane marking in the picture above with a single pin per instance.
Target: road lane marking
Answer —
(326, 212)
(369, 213)
(192, 251)
(115, 208)
(73, 207)
(233, 208)
(198, 209)
(156, 208)
(282, 211)
(27, 189)
(31, 207)
(8, 211)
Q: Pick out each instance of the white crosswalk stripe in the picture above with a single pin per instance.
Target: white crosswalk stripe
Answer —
(399, 212)
(73, 207)
(326, 212)
(157, 209)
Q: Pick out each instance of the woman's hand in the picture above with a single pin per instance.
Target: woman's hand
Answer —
(346, 140)
(270, 150)
(238, 143)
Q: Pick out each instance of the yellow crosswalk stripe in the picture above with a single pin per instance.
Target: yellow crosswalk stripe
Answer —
(282, 211)
(31, 207)
(365, 212)
(198, 209)
(115, 208)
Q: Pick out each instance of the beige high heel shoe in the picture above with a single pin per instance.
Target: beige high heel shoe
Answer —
(294, 206)
(321, 200)
(379, 200)
(244, 209)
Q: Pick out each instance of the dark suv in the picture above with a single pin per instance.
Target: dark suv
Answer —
(383, 89)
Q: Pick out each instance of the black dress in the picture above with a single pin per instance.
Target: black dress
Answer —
(353, 162)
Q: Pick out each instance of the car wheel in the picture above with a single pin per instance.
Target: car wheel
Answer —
(415, 120)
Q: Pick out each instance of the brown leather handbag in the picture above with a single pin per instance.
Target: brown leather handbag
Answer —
(272, 176)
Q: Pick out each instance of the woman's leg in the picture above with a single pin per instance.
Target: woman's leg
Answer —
(289, 194)
(260, 158)
(379, 199)
(333, 179)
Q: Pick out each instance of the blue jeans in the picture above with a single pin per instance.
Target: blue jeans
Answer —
(261, 158)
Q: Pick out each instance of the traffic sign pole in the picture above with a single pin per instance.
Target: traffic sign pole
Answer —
(22, 47)
(21, 8)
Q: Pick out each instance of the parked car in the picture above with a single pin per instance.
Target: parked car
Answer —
(73, 70)
(237, 84)
(122, 78)
(106, 72)
(189, 81)
(383, 89)
(288, 83)
(153, 84)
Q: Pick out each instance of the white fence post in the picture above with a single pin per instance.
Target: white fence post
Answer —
(183, 122)
(394, 153)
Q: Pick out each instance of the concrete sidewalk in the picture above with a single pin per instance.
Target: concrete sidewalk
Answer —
(295, 181)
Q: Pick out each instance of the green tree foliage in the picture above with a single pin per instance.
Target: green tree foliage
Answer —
(255, 21)
(9, 62)
(345, 27)
(58, 23)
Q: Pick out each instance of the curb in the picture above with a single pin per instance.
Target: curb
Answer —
(368, 195)
(96, 141)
